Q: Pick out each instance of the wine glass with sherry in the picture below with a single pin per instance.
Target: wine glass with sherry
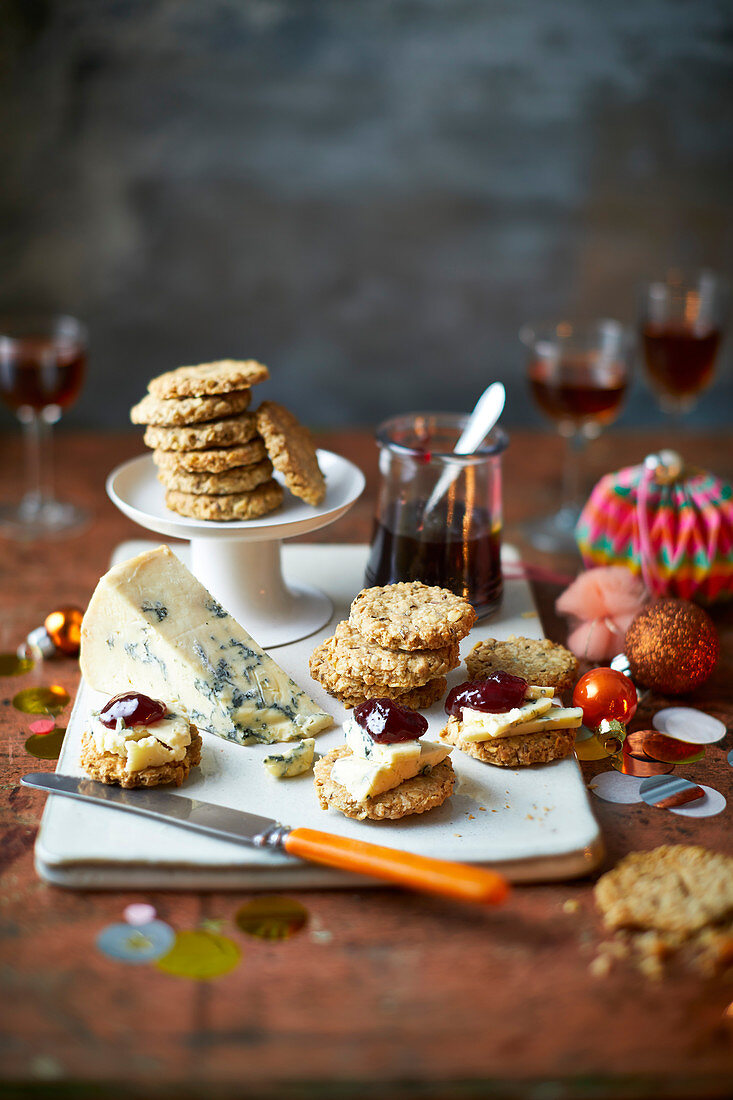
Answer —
(578, 375)
(42, 367)
(681, 329)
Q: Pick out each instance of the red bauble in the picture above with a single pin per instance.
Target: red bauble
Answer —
(605, 693)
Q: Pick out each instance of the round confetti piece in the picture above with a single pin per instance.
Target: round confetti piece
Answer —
(12, 664)
(590, 749)
(713, 803)
(689, 724)
(582, 733)
(42, 726)
(271, 918)
(139, 944)
(668, 749)
(730, 758)
(616, 787)
(641, 769)
(46, 746)
(41, 700)
(139, 913)
(200, 956)
(666, 792)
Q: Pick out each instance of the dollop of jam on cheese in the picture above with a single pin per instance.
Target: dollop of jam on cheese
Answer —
(141, 730)
(499, 692)
(388, 722)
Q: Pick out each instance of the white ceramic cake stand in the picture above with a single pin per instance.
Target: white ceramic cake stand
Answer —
(239, 561)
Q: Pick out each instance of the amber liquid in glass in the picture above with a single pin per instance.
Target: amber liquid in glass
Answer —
(578, 389)
(38, 371)
(464, 557)
(680, 357)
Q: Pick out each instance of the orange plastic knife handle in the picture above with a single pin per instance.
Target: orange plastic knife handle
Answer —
(435, 876)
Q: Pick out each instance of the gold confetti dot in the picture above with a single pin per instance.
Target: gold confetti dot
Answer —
(41, 700)
(271, 918)
(13, 665)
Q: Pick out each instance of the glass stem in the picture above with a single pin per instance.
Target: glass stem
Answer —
(38, 461)
(571, 475)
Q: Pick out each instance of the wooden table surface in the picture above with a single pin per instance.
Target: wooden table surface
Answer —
(384, 993)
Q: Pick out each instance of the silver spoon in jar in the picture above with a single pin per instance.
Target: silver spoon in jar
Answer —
(486, 413)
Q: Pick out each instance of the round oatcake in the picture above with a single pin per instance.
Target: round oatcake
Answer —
(351, 690)
(108, 767)
(676, 888)
(538, 661)
(189, 410)
(292, 452)
(222, 376)
(231, 506)
(413, 796)
(239, 480)
(214, 460)
(411, 615)
(201, 437)
(353, 656)
(513, 752)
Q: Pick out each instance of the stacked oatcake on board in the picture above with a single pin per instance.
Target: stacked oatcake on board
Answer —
(398, 643)
(216, 458)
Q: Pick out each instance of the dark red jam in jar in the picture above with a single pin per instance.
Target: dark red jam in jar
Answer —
(134, 709)
(388, 722)
(498, 692)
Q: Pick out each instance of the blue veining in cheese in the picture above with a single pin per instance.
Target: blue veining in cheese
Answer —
(152, 627)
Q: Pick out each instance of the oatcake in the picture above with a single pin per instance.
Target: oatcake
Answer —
(201, 437)
(213, 460)
(413, 796)
(109, 767)
(537, 661)
(352, 690)
(232, 506)
(292, 452)
(513, 752)
(352, 655)
(189, 410)
(411, 615)
(240, 479)
(222, 376)
(676, 888)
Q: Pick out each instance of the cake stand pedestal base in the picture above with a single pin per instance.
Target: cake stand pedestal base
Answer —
(246, 578)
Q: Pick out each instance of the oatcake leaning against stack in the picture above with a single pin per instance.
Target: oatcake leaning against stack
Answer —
(398, 643)
(214, 457)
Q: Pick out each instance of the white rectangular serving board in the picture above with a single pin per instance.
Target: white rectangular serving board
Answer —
(532, 823)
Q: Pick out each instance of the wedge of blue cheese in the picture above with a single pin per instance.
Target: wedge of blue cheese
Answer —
(294, 760)
(373, 768)
(152, 627)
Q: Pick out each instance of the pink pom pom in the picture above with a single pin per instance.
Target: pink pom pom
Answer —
(606, 591)
(602, 602)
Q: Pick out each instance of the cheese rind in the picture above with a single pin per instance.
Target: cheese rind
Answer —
(152, 627)
(294, 760)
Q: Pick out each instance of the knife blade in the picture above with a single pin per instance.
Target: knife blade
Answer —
(448, 879)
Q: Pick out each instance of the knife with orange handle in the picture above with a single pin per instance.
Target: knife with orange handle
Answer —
(459, 881)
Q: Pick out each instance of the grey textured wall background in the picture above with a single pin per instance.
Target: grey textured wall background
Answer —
(371, 197)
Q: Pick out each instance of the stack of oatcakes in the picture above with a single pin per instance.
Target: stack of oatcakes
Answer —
(216, 458)
(398, 643)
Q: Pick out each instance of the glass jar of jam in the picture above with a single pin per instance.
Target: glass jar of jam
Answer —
(452, 540)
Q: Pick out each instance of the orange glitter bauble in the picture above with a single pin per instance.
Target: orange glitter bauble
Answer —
(64, 629)
(672, 646)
